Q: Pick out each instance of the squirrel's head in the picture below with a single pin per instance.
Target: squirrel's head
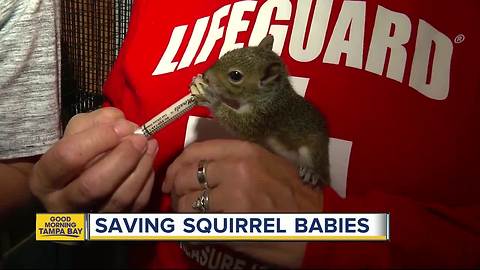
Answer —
(246, 75)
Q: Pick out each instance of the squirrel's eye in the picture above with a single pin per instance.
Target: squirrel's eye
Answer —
(235, 76)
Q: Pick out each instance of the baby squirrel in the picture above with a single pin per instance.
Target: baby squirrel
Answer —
(249, 93)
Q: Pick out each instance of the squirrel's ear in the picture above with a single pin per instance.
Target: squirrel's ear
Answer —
(267, 43)
(272, 73)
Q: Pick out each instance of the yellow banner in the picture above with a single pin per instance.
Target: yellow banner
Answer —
(60, 227)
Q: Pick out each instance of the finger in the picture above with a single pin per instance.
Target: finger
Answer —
(126, 194)
(69, 156)
(88, 145)
(83, 121)
(209, 150)
(174, 202)
(213, 149)
(123, 128)
(218, 201)
(144, 197)
(185, 179)
(184, 204)
(102, 179)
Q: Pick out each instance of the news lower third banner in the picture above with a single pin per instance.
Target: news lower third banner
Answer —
(213, 227)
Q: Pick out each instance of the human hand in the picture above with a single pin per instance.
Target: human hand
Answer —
(98, 165)
(244, 177)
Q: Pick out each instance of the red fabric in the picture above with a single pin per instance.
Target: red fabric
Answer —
(422, 235)
(413, 156)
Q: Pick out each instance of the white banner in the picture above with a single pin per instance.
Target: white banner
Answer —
(239, 227)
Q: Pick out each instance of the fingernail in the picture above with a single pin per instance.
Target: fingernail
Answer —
(152, 148)
(123, 128)
(139, 142)
(164, 187)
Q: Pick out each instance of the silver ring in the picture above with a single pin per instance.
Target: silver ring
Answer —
(201, 204)
(202, 173)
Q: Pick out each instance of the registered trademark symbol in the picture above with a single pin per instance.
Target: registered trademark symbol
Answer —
(460, 38)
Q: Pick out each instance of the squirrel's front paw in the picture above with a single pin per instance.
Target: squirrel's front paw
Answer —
(309, 176)
(197, 88)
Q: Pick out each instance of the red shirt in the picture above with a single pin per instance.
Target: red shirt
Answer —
(397, 81)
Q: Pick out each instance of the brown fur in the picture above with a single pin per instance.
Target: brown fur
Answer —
(275, 109)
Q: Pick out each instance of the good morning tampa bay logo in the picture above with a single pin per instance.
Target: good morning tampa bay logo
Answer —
(60, 227)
